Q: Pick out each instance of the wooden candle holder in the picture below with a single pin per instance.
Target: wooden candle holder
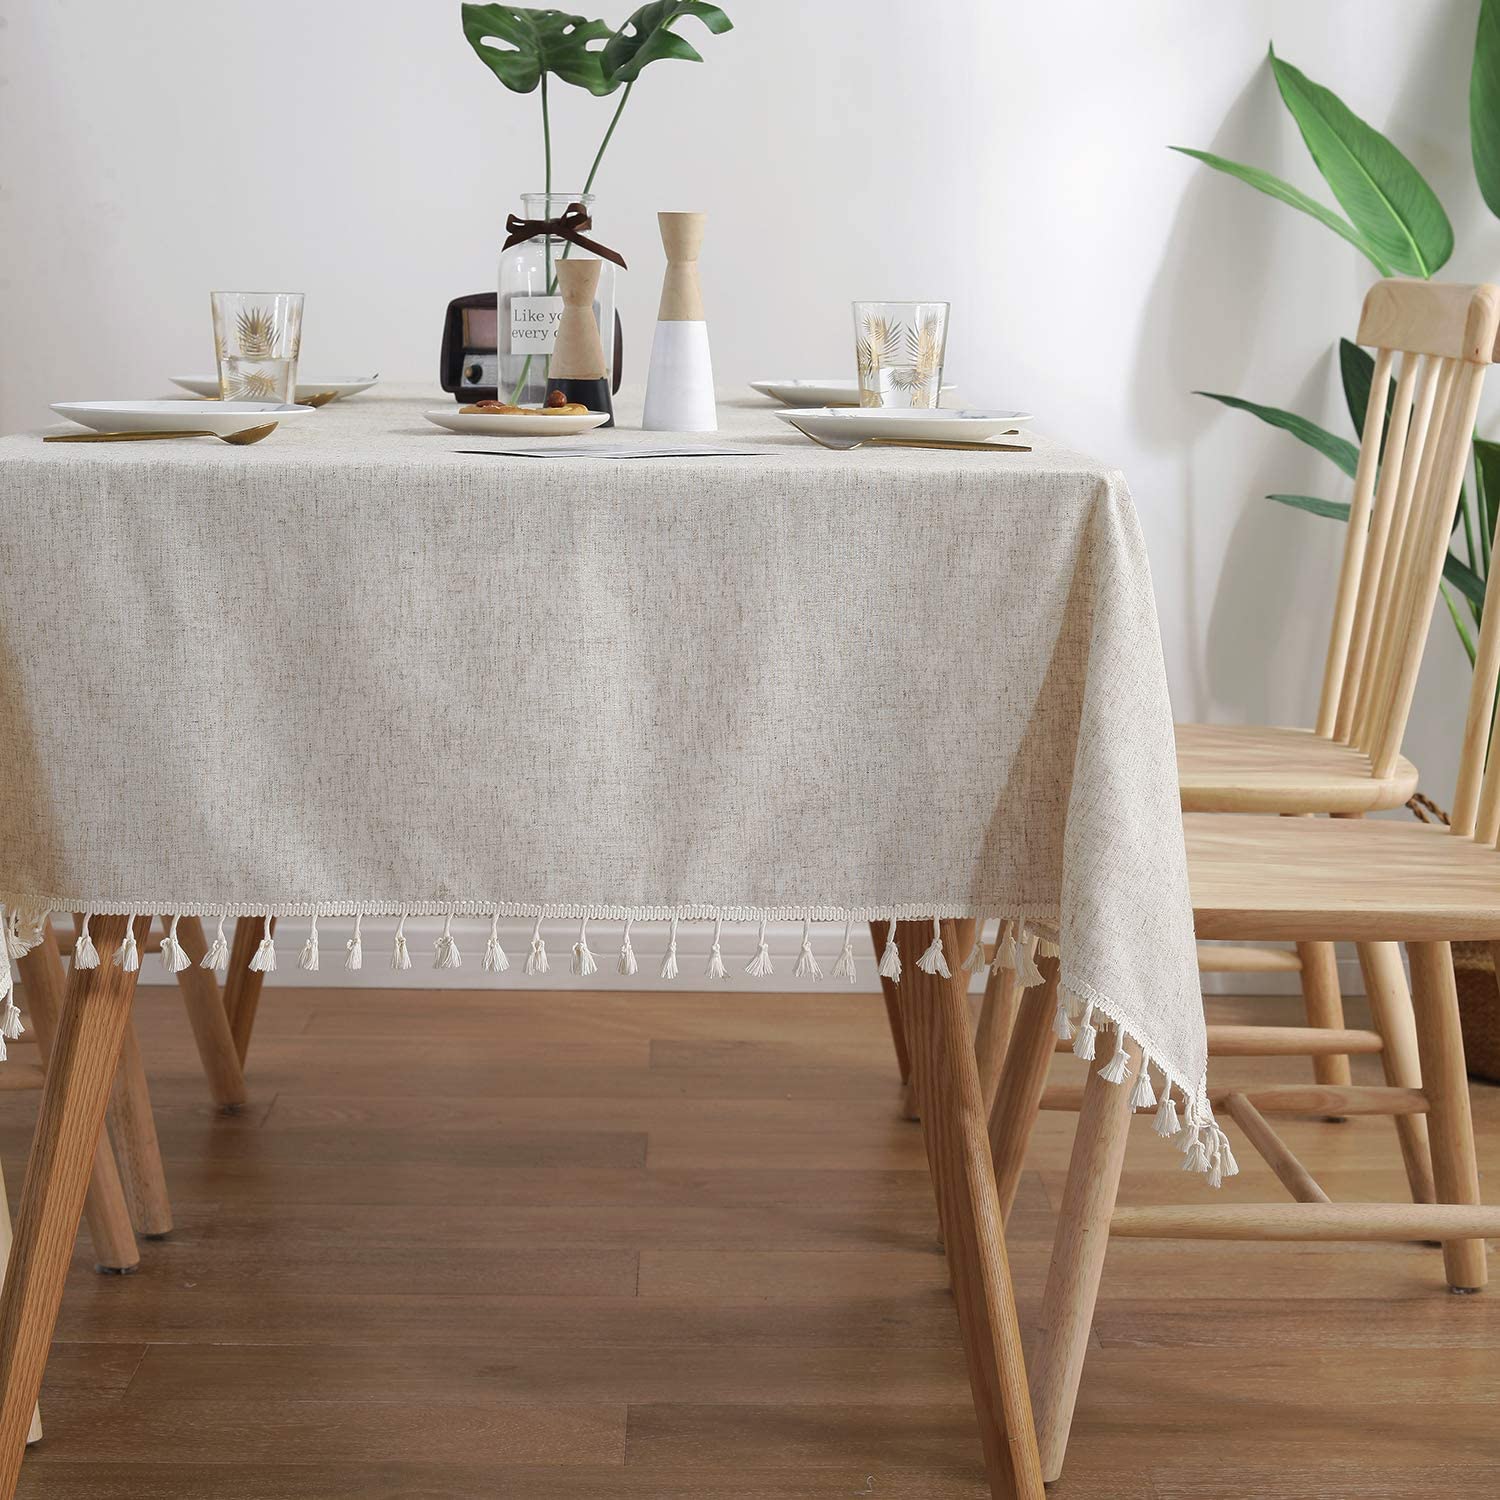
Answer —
(576, 368)
(680, 384)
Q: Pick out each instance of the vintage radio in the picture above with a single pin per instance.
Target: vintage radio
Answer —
(470, 361)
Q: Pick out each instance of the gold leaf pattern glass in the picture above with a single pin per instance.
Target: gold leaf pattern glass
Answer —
(899, 349)
(257, 338)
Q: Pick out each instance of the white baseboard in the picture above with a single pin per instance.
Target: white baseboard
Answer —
(649, 940)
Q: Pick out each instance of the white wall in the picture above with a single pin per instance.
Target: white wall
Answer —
(1009, 157)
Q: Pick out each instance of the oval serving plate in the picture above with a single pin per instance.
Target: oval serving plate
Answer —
(962, 425)
(513, 424)
(350, 385)
(176, 416)
(813, 392)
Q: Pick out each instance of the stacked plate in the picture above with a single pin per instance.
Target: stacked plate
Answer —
(852, 423)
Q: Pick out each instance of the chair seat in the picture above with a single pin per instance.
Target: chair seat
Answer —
(1326, 878)
(1255, 768)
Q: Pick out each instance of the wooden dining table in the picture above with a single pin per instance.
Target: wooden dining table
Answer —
(361, 674)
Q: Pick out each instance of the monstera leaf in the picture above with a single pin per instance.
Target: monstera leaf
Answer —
(518, 45)
(647, 37)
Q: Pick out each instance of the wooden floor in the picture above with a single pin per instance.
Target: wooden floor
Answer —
(682, 1246)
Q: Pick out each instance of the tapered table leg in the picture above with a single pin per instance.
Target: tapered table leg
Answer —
(242, 985)
(1022, 1078)
(997, 1016)
(132, 1133)
(80, 1071)
(1078, 1259)
(878, 934)
(106, 1210)
(936, 1016)
(209, 1020)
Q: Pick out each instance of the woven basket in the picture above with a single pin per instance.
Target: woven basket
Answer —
(1479, 1008)
(1478, 991)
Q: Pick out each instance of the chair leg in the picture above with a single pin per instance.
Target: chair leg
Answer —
(1391, 1011)
(243, 984)
(1013, 1115)
(209, 1020)
(106, 1211)
(1078, 1260)
(936, 1015)
(85, 1052)
(992, 1036)
(34, 1432)
(1325, 1007)
(1455, 1170)
(878, 934)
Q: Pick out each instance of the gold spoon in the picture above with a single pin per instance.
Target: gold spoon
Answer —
(844, 445)
(318, 398)
(240, 439)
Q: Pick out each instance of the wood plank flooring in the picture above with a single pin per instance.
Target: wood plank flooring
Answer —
(683, 1246)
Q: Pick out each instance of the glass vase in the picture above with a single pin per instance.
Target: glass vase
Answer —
(530, 307)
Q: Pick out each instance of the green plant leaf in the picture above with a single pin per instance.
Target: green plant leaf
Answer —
(647, 37)
(1484, 104)
(1464, 579)
(1339, 450)
(1284, 192)
(1460, 625)
(537, 42)
(1386, 198)
(1330, 510)
(1487, 480)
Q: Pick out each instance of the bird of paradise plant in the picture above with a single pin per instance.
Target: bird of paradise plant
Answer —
(1396, 221)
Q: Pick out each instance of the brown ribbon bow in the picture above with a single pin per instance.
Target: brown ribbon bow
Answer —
(569, 226)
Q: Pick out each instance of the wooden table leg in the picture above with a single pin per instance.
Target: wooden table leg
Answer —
(1455, 1170)
(85, 1051)
(106, 1209)
(242, 984)
(936, 1016)
(34, 1432)
(1391, 1011)
(132, 1133)
(209, 1020)
(1078, 1259)
(1022, 1079)
(878, 934)
(997, 1016)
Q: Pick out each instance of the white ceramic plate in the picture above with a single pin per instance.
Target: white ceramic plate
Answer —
(176, 416)
(208, 385)
(962, 425)
(513, 424)
(812, 392)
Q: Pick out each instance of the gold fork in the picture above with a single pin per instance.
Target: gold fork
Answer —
(244, 436)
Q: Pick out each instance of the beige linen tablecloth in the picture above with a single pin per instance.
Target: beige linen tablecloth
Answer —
(351, 672)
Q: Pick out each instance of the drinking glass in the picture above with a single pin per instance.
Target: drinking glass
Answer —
(257, 337)
(899, 347)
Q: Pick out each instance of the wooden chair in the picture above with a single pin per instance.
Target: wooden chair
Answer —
(1368, 881)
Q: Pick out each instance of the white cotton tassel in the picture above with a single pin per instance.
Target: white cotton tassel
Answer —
(669, 962)
(445, 954)
(264, 961)
(495, 961)
(1117, 1069)
(354, 949)
(583, 960)
(10, 1019)
(844, 966)
(85, 954)
(536, 960)
(890, 959)
(1166, 1124)
(309, 958)
(1194, 1152)
(760, 965)
(128, 954)
(1143, 1096)
(217, 956)
(1062, 1022)
(15, 945)
(933, 961)
(976, 963)
(1231, 1166)
(716, 969)
(626, 963)
(1027, 972)
(173, 959)
(1005, 946)
(1083, 1041)
(1047, 948)
(807, 964)
(400, 957)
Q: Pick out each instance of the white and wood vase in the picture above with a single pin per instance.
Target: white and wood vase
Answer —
(680, 383)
